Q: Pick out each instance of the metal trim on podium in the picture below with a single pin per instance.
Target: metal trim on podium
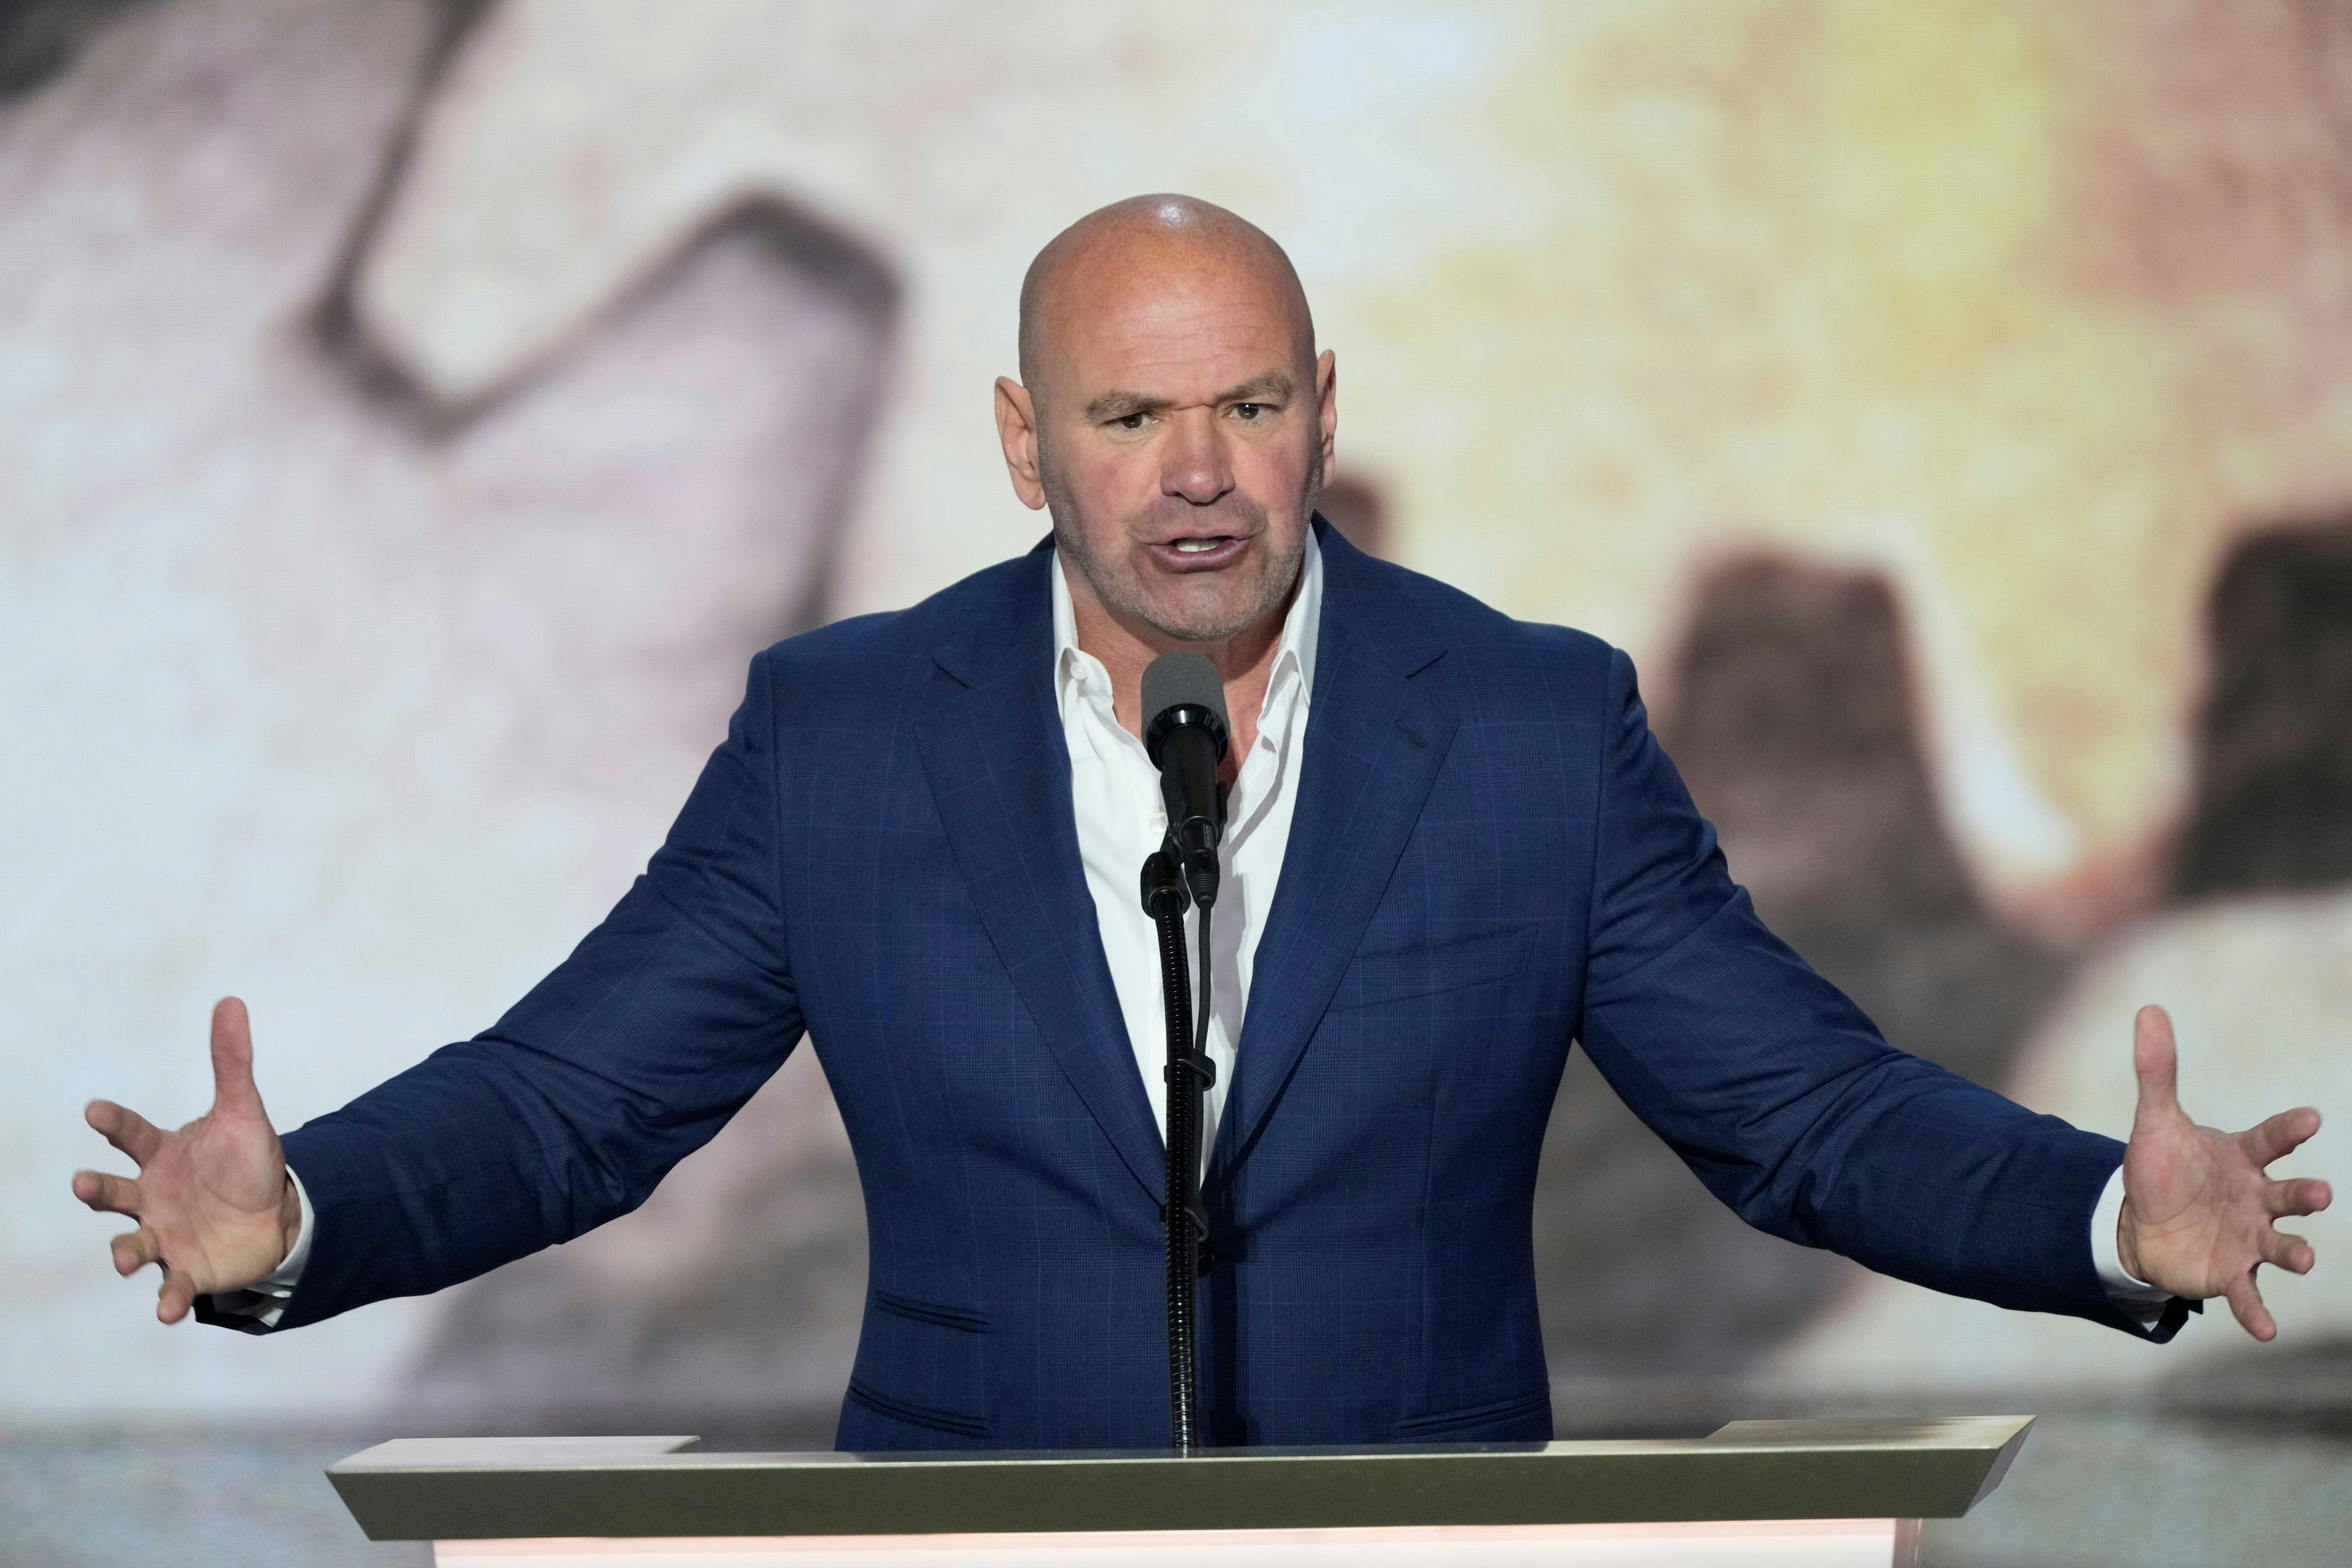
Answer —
(1820, 1493)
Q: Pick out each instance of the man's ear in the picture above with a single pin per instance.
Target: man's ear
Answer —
(1327, 404)
(1016, 430)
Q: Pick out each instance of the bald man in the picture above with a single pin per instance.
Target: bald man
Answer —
(1452, 849)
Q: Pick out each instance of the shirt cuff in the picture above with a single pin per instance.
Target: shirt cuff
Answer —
(2133, 1297)
(265, 1299)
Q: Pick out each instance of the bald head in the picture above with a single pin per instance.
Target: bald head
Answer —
(1142, 246)
(1174, 417)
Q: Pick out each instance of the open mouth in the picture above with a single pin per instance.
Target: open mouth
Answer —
(1205, 552)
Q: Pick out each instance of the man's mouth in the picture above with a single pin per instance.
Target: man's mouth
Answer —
(1203, 552)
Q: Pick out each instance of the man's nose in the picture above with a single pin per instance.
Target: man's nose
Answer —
(1196, 468)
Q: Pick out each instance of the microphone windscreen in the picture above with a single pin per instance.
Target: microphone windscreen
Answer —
(1178, 680)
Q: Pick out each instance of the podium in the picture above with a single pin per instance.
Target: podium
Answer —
(1818, 1494)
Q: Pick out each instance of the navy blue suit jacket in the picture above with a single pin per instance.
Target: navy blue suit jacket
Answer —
(1491, 858)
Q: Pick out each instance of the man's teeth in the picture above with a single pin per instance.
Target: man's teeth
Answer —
(1194, 546)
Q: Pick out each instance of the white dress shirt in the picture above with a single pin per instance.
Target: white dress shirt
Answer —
(1115, 794)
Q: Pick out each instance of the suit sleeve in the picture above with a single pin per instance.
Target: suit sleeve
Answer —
(1784, 1098)
(625, 1059)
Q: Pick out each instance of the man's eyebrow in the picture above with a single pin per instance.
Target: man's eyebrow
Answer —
(1120, 405)
(1270, 387)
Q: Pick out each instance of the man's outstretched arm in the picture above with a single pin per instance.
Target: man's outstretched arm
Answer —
(629, 1056)
(1784, 1099)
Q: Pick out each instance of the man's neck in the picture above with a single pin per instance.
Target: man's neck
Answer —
(1125, 646)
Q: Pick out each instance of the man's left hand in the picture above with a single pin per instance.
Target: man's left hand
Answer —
(2198, 1203)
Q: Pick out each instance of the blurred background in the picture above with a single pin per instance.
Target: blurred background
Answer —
(414, 413)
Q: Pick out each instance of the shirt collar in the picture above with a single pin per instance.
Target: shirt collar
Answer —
(1294, 655)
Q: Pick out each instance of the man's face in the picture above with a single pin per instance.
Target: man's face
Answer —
(1181, 431)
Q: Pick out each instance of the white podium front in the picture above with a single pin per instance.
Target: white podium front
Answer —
(1786, 1494)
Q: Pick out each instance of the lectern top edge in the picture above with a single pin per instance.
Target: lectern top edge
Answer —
(504, 1489)
(1946, 1434)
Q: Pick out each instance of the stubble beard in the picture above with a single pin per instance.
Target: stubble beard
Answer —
(1120, 588)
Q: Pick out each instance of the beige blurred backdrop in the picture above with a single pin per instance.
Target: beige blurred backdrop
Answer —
(412, 415)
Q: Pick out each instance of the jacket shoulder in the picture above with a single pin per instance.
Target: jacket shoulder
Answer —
(1493, 657)
(871, 658)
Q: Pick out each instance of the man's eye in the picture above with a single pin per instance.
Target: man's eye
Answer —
(1131, 421)
(1251, 411)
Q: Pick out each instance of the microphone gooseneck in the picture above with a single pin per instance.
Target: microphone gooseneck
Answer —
(1188, 1072)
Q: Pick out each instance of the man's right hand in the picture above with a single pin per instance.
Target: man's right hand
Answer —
(214, 1202)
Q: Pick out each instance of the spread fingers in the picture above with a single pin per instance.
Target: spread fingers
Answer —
(2278, 1136)
(2291, 1253)
(136, 1250)
(2303, 1196)
(106, 1194)
(177, 1296)
(2246, 1304)
(124, 1128)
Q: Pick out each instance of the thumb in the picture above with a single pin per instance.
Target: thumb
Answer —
(234, 1090)
(2156, 1061)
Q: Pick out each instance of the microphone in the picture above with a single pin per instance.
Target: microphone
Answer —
(1184, 732)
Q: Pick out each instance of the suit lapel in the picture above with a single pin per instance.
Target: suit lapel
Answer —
(999, 767)
(1375, 742)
